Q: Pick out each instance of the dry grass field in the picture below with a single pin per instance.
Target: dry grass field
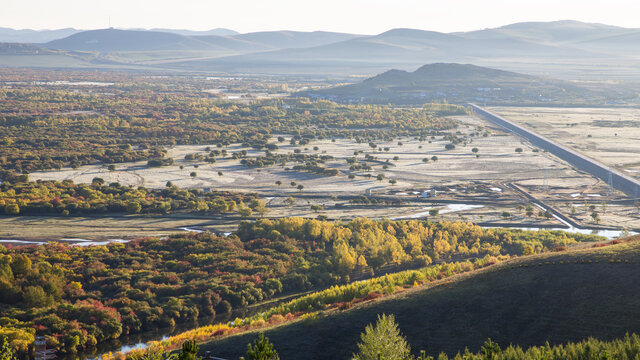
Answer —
(472, 186)
(609, 135)
(497, 161)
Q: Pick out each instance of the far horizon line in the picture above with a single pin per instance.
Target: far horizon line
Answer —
(311, 31)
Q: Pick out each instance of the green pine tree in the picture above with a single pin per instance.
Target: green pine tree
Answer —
(490, 350)
(261, 350)
(189, 351)
(384, 341)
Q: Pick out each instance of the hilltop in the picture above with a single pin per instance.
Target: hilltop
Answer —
(554, 297)
(457, 83)
(127, 40)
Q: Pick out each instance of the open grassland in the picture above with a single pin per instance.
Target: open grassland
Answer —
(455, 172)
(497, 161)
(556, 297)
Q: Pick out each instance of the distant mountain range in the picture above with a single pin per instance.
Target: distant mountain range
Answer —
(462, 83)
(141, 40)
(567, 49)
(42, 36)
(33, 36)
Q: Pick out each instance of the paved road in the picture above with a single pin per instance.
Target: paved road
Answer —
(619, 181)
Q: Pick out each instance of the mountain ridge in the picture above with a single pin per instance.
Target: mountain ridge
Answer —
(564, 49)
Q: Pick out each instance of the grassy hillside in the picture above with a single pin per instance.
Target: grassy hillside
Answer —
(556, 297)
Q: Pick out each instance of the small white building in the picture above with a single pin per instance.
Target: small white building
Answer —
(429, 193)
(372, 190)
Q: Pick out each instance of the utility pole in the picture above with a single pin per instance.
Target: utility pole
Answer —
(610, 183)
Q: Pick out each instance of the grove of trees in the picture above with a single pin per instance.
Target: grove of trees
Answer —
(20, 197)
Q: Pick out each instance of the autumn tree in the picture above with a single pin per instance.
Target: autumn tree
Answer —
(259, 206)
(344, 258)
(290, 201)
(12, 209)
(6, 353)
(244, 210)
(529, 210)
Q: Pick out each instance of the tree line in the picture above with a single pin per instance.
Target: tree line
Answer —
(23, 197)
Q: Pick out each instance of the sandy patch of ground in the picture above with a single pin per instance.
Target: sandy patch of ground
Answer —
(497, 161)
(609, 135)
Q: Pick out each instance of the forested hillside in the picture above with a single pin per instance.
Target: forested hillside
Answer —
(80, 296)
(555, 298)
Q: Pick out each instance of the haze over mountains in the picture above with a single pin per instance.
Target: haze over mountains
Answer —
(33, 36)
(43, 36)
(568, 49)
(461, 83)
(141, 40)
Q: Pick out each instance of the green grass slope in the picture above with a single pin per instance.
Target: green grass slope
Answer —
(557, 297)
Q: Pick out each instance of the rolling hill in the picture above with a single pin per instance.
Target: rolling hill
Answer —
(554, 32)
(456, 83)
(34, 36)
(555, 297)
(127, 40)
(43, 36)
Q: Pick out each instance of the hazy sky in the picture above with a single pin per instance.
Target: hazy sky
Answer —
(355, 16)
